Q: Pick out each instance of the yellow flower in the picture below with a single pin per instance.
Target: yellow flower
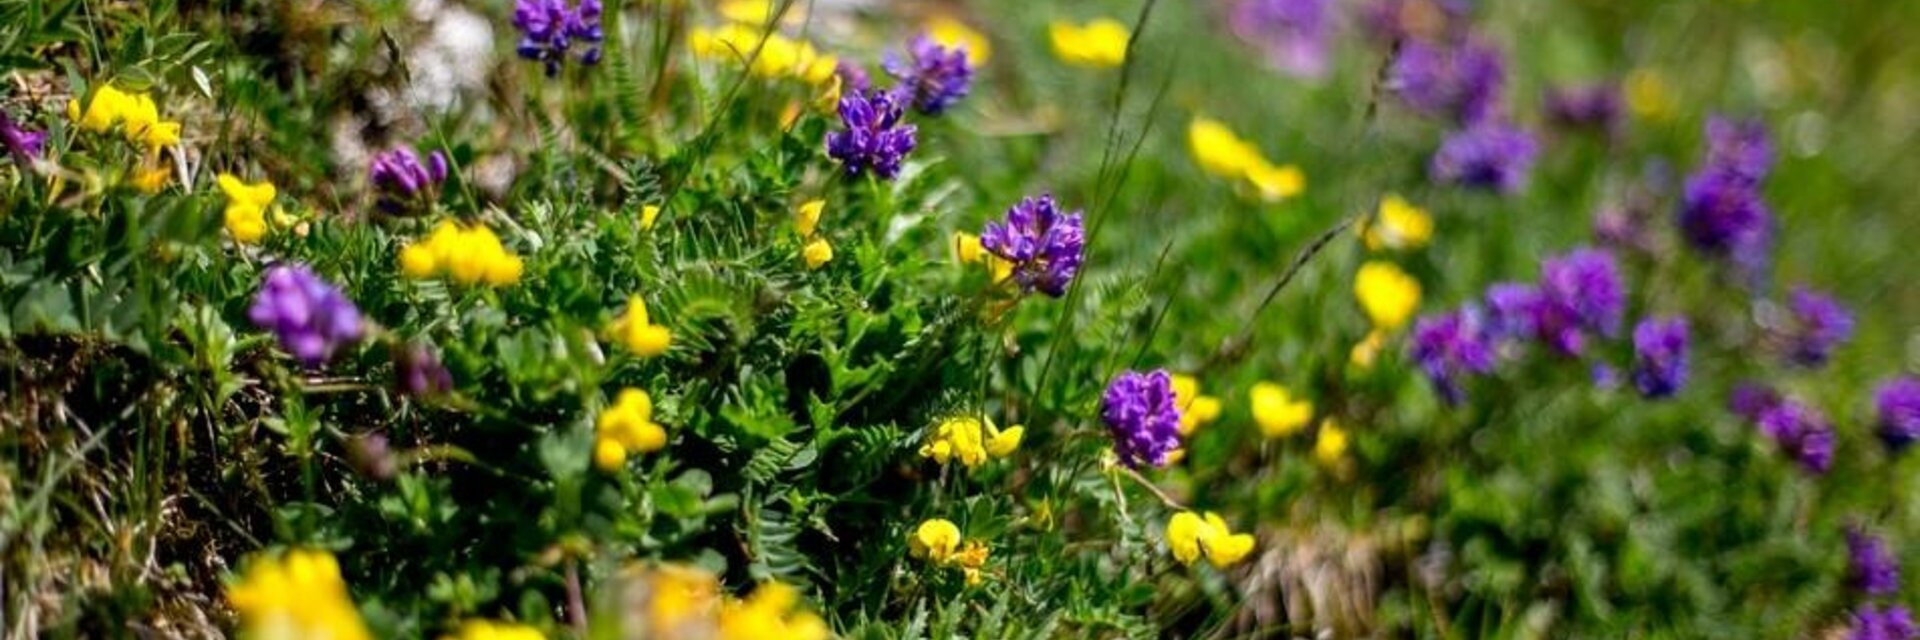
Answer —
(136, 111)
(1387, 294)
(951, 32)
(297, 595)
(1648, 94)
(1190, 536)
(971, 440)
(681, 601)
(150, 180)
(968, 250)
(1195, 409)
(971, 558)
(1275, 183)
(772, 611)
(935, 540)
(626, 428)
(1367, 350)
(1218, 150)
(1001, 444)
(807, 218)
(246, 214)
(648, 214)
(816, 253)
(635, 331)
(1098, 44)
(1331, 446)
(107, 108)
(1277, 413)
(490, 630)
(471, 255)
(747, 11)
(1398, 225)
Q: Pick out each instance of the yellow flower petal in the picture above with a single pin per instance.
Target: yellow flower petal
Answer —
(1388, 295)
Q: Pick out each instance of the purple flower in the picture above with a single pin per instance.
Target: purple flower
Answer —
(418, 371)
(1293, 34)
(1487, 156)
(1801, 432)
(1751, 400)
(1660, 356)
(1594, 106)
(1512, 308)
(1872, 568)
(874, 139)
(400, 177)
(1461, 80)
(1391, 20)
(1899, 403)
(1586, 282)
(1450, 346)
(853, 77)
(1818, 323)
(23, 144)
(933, 77)
(1142, 416)
(311, 318)
(1723, 215)
(1740, 148)
(1873, 623)
(1043, 244)
(549, 27)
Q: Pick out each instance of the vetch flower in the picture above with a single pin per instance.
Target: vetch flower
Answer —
(1196, 409)
(1101, 43)
(1487, 156)
(1450, 346)
(418, 372)
(1387, 294)
(1398, 226)
(136, 113)
(491, 630)
(311, 318)
(626, 428)
(402, 180)
(1276, 412)
(1816, 325)
(21, 143)
(1898, 402)
(1594, 106)
(1143, 417)
(1660, 356)
(932, 76)
(1330, 444)
(636, 331)
(1722, 215)
(872, 137)
(468, 254)
(1461, 81)
(1293, 34)
(1044, 244)
(548, 29)
(1739, 148)
(1872, 568)
(971, 440)
(773, 610)
(1802, 432)
(299, 594)
(1891, 623)
(1584, 287)
(1750, 400)
(1191, 536)
(246, 213)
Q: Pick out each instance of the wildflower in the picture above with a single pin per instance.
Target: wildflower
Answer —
(1660, 356)
(939, 542)
(806, 218)
(1398, 225)
(773, 610)
(1580, 292)
(490, 630)
(311, 318)
(853, 78)
(246, 214)
(932, 76)
(635, 331)
(1891, 623)
(1221, 152)
(1274, 183)
(951, 33)
(967, 249)
(1367, 350)
(1101, 43)
(150, 180)
(1750, 400)
(1191, 536)
(1196, 409)
(1595, 106)
(971, 440)
(1801, 432)
(1872, 568)
(1898, 401)
(23, 144)
(1817, 324)
(626, 428)
(873, 138)
(136, 113)
(401, 179)
(682, 601)
(1739, 148)
(1649, 95)
(1450, 346)
(1722, 215)
(549, 27)
(299, 594)
(1330, 446)
(1293, 34)
(372, 457)
(1487, 156)
(817, 253)
(1387, 294)
(469, 254)
(747, 11)
(1462, 81)
(1043, 244)
(418, 371)
(1511, 310)
(1277, 413)
(1142, 416)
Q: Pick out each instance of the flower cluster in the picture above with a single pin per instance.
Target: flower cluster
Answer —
(1223, 153)
(246, 212)
(1043, 244)
(806, 219)
(1388, 295)
(1143, 416)
(626, 428)
(1486, 155)
(1898, 402)
(778, 56)
(773, 610)
(1802, 432)
(1872, 568)
(1450, 346)
(684, 601)
(468, 254)
(968, 249)
(1397, 225)
(492, 630)
(1594, 106)
(1457, 80)
(299, 594)
(1660, 356)
(1293, 34)
(418, 371)
(548, 29)
(22, 144)
(1100, 43)
(1816, 324)
(1722, 211)
(932, 76)
(135, 113)
(312, 319)
(1196, 409)
(939, 542)
(1580, 296)
(402, 180)
(872, 136)
(636, 331)
(1191, 536)
(1276, 412)
(971, 440)
(1891, 623)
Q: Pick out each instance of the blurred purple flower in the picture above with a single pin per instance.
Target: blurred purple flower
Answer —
(1044, 245)
(873, 138)
(932, 77)
(1586, 282)
(1802, 432)
(1293, 34)
(1750, 400)
(418, 371)
(1740, 148)
(1595, 106)
(1143, 417)
(1898, 402)
(311, 318)
(1818, 324)
(1486, 155)
(1391, 20)
(549, 27)
(1892, 623)
(1871, 567)
(853, 77)
(1511, 310)
(1461, 81)
(23, 144)
(1450, 346)
(400, 177)
(1722, 215)
(1660, 356)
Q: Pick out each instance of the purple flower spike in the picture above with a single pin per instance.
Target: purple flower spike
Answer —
(1512, 310)
(1873, 623)
(418, 371)
(853, 77)
(1751, 400)
(22, 144)
(1461, 81)
(1802, 433)
(1722, 213)
(1044, 244)
(311, 318)
(549, 27)
(1450, 346)
(1818, 325)
(933, 77)
(1899, 403)
(1487, 156)
(1143, 417)
(1595, 106)
(1871, 567)
(873, 138)
(1294, 34)
(1587, 284)
(402, 180)
(1660, 356)
(1740, 148)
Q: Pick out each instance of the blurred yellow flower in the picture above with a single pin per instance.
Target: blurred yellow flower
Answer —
(1221, 152)
(636, 331)
(779, 56)
(807, 218)
(1331, 445)
(950, 32)
(681, 601)
(136, 112)
(968, 250)
(817, 252)
(299, 594)
(1277, 413)
(1387, 294)
(150, 180)
(1398, 225)
(971, 440)
(648, 215)
(1649, 95)
(626, 428)
(1367, 350)
(1276, 183)
(470, 255)
(1191, 536)
(774, 611)
(490, 630)
(1100, 43)
(246, 214)
(747, 11)
(1195, 409)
